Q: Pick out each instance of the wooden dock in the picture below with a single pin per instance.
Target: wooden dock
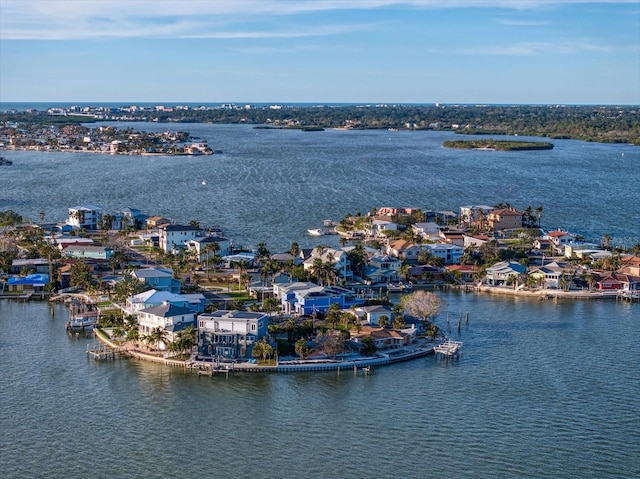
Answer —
(448, 349)
(101, 352)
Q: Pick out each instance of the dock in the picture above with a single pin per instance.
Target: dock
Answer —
(101, 352)
(448, 349)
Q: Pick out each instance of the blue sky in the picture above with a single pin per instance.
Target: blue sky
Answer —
(361, 51)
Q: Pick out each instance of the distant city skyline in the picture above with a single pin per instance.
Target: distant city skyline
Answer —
(321, 51)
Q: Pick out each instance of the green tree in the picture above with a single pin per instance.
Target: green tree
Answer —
(369, 347)
(302, 348)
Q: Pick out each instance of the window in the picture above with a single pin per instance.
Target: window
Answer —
(253, 326)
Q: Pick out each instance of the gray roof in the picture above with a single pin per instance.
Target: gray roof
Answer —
(167, 310)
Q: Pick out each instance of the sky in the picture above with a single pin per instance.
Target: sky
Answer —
(321, 51)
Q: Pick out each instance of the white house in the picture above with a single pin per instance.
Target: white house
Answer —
(169, 317)
(337, 257)
(87, 217)
(429, 231)
(499, 273)
(173, 237)
(201, 247)
(371, 314)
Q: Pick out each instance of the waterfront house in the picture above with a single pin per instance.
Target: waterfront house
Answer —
(371, 314)
(463, 272)
(379, 226)
(608, 281)
(230, 334)
(27, 284)
(174, 237)
(160, 279)
(285, 293)
(384, 338)
(504, 219)
(560, 240)
(500, 273)
(86, 217)
(170, 317)
(548, 276)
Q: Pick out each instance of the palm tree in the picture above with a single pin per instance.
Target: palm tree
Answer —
(262, 349)
(212, 247)
(241, 266)
(158, 335)
(538, 211)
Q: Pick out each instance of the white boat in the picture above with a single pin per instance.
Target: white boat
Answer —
(82, 322)
(316, 232)
(395, 287)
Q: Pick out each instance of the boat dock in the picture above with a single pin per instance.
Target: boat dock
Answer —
(448, 349)
(101, 352)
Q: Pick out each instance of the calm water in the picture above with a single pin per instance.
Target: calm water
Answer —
(542, 390)
(272, 185)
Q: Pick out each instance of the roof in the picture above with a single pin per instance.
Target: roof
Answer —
(29, 279)
(178, 228)
(233, 314)
(167, 310)
(153, 273)
(506, 212)
(158, 297)
(558, 234)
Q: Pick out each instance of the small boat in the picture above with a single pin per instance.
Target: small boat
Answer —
(395, 287)
(204, 182)
(316, 232)
(5, 161)
(82, 321)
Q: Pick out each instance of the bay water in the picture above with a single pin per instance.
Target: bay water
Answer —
(542, 389)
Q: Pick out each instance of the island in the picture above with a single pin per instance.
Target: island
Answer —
(500, 145)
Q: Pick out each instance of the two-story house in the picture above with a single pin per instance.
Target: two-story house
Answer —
(500, 273)
(167, 316)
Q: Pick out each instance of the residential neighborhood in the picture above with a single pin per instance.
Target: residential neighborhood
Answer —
(174, 290)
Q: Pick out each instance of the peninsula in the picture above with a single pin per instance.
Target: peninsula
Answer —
(183, 295)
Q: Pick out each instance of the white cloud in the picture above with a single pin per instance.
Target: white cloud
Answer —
(77, 19)
(536, 48)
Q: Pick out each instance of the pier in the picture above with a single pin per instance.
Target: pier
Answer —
(448, 349)
(101, 352)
